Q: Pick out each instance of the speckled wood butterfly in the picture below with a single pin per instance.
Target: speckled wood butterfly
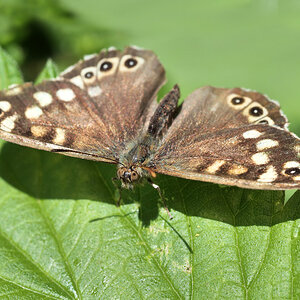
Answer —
(104, 108)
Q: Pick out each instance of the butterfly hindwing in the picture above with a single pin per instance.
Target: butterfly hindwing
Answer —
(214, 140)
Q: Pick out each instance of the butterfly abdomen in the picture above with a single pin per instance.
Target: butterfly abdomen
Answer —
(165, 113)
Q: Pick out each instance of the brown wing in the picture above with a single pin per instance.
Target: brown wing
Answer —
(123, 89)
(232, 137)
(91, 111)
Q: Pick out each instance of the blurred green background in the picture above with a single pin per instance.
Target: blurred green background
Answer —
(227, 43)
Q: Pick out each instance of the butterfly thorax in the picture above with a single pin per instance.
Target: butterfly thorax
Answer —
(132, 168)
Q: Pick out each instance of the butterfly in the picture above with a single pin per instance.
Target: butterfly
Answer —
(105, 108)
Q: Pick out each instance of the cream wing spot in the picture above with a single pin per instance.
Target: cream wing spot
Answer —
(8, 124)
(212, 169)
(65, 94)
(94, 91)
(260, 158)
(5, 106)
(252, 134)
(291, 164)
(89, 56)
(77, 80)
(14, 90)
(11, 86)
(39, 131)
(59, 136)
(269, 176)
(43, 98)
(237, 170)
(33, 112)
(136, 47)
(266, 144)
(297, 149)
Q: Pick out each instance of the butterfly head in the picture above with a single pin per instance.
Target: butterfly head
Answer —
(129, 175)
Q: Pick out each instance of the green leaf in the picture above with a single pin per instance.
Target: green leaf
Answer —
(61, 235)
(50, 71)
(9, 71)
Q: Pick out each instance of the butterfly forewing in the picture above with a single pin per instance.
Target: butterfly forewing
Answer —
(91, 110)
(53, 115)
(123, 86)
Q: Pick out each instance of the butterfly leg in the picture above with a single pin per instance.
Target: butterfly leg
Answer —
(115, 181)
(161, 197)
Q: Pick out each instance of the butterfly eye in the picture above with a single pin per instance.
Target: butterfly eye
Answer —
(134, 175)
(88, 75)
(256, 111)
(106, 66)
(130, 63)
(237, 100)
(292, 171)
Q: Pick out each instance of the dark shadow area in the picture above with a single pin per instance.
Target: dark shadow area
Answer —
(47, 176)
(38, 46)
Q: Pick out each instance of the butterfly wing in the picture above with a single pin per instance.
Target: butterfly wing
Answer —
(233, 137)
(90, 111)
(123, 89)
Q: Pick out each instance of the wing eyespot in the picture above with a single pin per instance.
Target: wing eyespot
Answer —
(130, 63)
(292, 171)
(237, 100)
(256, 111)
(106, 66)
(89, 75)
